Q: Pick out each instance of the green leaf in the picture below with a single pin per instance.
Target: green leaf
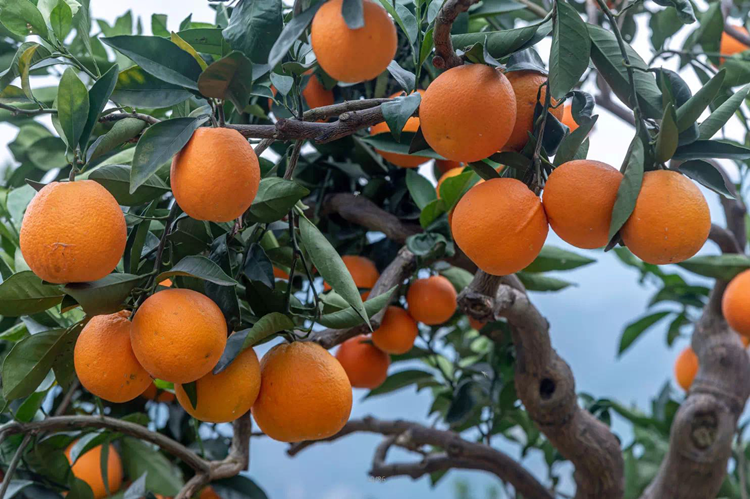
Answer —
(254, 27)
(206, 40)
(573, 142)
(191, 390)
(420, 189)
(630, 187)
(177, 40)
(276, 196)
(258, 267)
(98, 98)
(484, 170)
(159, 57)
(121, 132)
(453, 188)
(157, 145)
(386, 142)
(353, 13)
(29, 361)
(398, 111)
(542, 283)
(200, 267)
(347, 317)
(465, 400)
(554, 258)
(634, 330)
(116, 179)
(711, 149)
(500, 44)
(431, 212)
(606, 56)
(139, 458)
(721, 115)
(400, 380)
(724, 267)
(137, 88)
(230, 487)
(666, 142)
(688, 113)
(683, 8)
(22, 18)
(330, 266)
(266, 326)
(291, 32)
(104, 296)
(707, 175)
(459, 277)
(25, 294)
(405, 78)
(24, 68)
(72, 106)
(569, 55)
(159, 25)
(228, 78)
(61, 20)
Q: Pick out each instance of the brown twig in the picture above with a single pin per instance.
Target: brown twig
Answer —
(26, 112)
(362, 211)
(121, 116)
(445, 56)
(13, 465)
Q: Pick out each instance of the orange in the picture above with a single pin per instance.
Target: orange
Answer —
(685, 368)
(444, 165)
(363, 271)
(468, 112)
(745, 341)
(228, 395)
(568, 119)
(365, 364)
(500, 225)
(670, 222)
(730, 45)
(73, 232)
(397, 331)
(475, 324)
(402, 160)
(526, 88)
(304, 393)
(279, 273)
(89, 469)
(735, 304)
(578, 199)
(167, 283)
(153, 393)
(316, 94)
(450, 173)
(432, 300)
(178, 335)
(353, 55)
(215, 176)
(104, 359)
(209, 493)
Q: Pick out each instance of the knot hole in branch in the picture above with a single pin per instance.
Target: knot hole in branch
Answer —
(547, 388)
(703, 430)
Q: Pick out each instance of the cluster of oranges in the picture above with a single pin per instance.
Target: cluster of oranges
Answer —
(431, 301)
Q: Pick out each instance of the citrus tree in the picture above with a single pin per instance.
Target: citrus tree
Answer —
(178, 198)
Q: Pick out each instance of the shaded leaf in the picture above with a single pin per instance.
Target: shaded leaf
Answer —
(254, 27)
(707, 175)
(137, 88)
(554, 258)
(200, 267)
(104, 296)
(666, 142)
(241, 340)
(99, 95)
(258, 266)
(293, 30)
(353, 13)
(688, 113)
(711, 149)
(276, 196)
(25, 294)
(228, 78)
(723, 113)
(629, 188)
(420, 189)
(569, 55)
(398, 111)
(348, 317)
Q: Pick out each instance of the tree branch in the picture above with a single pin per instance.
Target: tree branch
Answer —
(731, 29)
(724, 239)
(361, 211)
(26, 112)
(455, 453)
(546, 386)
(445, 56)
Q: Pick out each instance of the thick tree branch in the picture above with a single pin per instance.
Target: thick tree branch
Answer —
(445, 56)
(362, 211)
(731, 29)
(724, 239)
(455, 452)
(546, 386)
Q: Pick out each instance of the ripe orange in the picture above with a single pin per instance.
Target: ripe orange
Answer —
(178, 335)
(279, 273)
(568, 119)
(228, 395)
(304, 393)
(685, 368)
(209, 493)
(73, 232)
(353, 55)
(450, 173)
(215, 176)
(365, 364)
(104, 359)
(444, 165)
(402, 160)
(468, 112)
(89, 469)
(153, 393)
(735, 304)
(526, 88)
(432, 300)
(500, 225)
(730, 45)
(475, 324)
(670, 222)
(316, 94)
(397, 331)
(363, 271)
(167, 283)
(578, 199)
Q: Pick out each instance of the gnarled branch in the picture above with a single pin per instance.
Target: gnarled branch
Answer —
(546, 386)
(445, 56)
(362, 211)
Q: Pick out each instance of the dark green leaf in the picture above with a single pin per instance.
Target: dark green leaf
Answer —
(398, 111)
(683, 8)
(569, 55)
(276, 196)
(157, 145)
(137, 88)
(723, 267)
(400, 380)
(72, 106)
(572, 143)
(666, 142)
(688, 113)
(200, 267)
(465, 400)
(353, 13)
(707, 175)
(630, 187)
(420, 189)
(429, 245)
(254, 27)
(291, 32)
(386, 142)
(159, 57)
(25, 294)
(405, 78)
(98, 98)
(116, 179)
(723, 113)
(347, 317)
(22, 18)
(206, 40)
(501, 44)
(554, 258)
(229, 487)
(241, 340)
(541, 282)
(104, 296)
(330, 266)
(228, 78)
(633, 331)
(121, 132)
(711, 149)
(258, 266)
(431, 212)
(191, 390)
(484, 170)
(139, 458)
